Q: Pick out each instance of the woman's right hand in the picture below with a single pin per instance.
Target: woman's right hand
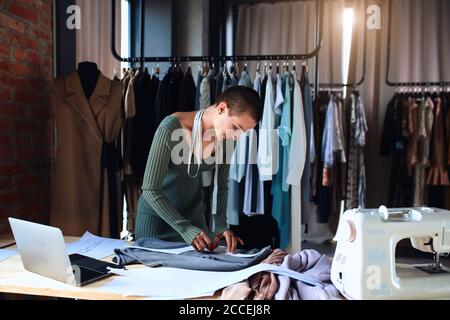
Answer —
(202, 242)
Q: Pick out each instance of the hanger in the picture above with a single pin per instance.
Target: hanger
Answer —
(304, 67)
(231, 68)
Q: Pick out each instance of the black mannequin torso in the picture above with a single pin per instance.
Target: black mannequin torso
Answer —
(88, 73)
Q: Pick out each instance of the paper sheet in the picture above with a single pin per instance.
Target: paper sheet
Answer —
(171, 251)
(7, 253)
(33, 280)
(218, 250)
(94, 246)
(174, 283)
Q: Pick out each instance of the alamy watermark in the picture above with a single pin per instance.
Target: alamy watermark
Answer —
(74, 19)
(373, 21)
(247, 148)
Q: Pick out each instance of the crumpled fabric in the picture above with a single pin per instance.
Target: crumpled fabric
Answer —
(260, 286)
(313, 264)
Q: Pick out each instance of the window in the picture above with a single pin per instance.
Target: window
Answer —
(125, 31)
(346, 43)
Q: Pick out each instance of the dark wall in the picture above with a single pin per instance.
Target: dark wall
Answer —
(65, 59)
(162, 22)
(158, 28)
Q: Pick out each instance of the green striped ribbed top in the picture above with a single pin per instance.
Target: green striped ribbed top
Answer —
(171, 206)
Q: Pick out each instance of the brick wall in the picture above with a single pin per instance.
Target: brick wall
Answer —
(26, 124)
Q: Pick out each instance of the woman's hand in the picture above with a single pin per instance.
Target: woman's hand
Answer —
(202, 242)
(230, 238)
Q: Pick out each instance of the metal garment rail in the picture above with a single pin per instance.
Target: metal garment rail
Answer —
(143, 59)
(388, 63)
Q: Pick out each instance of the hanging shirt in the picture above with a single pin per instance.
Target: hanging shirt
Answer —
(237, 167)
(361, 129)
(218, 79)
(238, 160)
(257, 83)
(205, 91)
(205, 102)
(254, 187)
(197, 92)
(279, 99)
(268, 140)
(425, 124)
(356, 178)
(130, 107)
(186, 101)
(328, 136)
(280, 189)
(226, 80)
(298, 141)
(308, 112)
(312, 149)
(234, 80)
(338, 130)
(245, 80)
(437, 174)
(297, 158)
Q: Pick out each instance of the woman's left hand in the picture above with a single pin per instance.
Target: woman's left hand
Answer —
(230, 238)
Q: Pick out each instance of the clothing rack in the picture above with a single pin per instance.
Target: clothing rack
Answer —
(142, 59)
(388, 62)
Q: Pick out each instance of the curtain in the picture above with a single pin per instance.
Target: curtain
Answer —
(93, 39)
(289, 28)
(420, 43)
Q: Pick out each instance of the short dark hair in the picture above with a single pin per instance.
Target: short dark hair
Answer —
(242, 99)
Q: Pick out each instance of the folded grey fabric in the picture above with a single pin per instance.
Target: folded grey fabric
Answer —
(193, 260)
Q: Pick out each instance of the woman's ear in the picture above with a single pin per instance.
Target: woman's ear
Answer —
(222, 107)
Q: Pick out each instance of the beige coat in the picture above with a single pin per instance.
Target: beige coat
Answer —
(79, 199)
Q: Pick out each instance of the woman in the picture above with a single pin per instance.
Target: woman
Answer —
(171, 206)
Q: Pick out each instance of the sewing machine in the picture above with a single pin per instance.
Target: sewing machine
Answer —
(364, 264)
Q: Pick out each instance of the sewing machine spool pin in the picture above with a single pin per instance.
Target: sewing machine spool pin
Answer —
(394, 215)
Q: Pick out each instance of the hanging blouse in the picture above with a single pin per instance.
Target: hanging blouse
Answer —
(268, 140)
(254, 187)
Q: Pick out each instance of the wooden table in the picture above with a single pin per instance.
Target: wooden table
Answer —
(12, 267)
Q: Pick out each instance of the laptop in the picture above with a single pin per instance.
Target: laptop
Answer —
(43, 251)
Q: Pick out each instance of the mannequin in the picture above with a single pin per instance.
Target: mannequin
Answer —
(88, 73)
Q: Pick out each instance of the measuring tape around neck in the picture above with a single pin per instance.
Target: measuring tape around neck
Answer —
(196, 151)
